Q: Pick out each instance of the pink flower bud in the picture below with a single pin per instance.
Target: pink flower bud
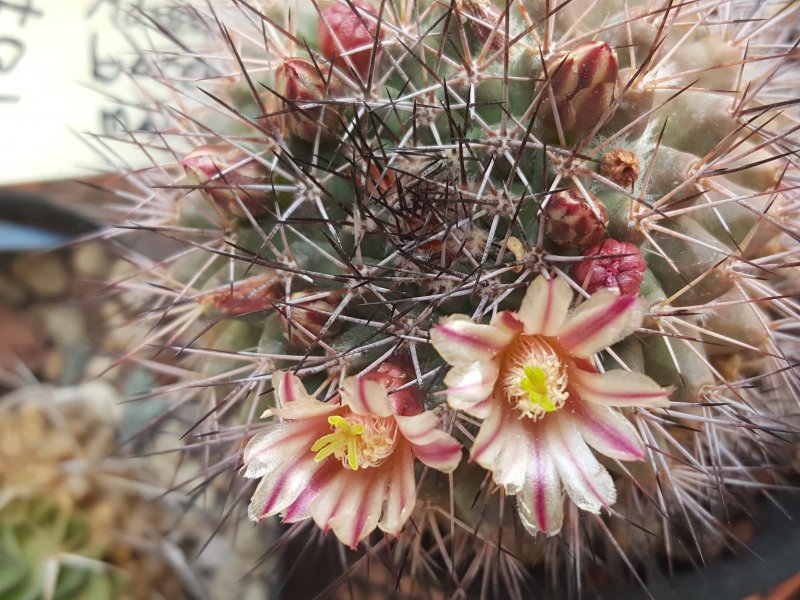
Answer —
(302, 321)
(582, 82)
(244, 297)
(396, 373)
(484, 19)
(573, 220)
(379, 181)
(226, 173)
(617, 265)
(299, 83)
(353, 27)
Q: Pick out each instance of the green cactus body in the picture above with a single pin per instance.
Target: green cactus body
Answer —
(423, 172)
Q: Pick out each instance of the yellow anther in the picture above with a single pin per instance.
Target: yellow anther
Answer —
(345, 438)
(534, 383)
(534, 378)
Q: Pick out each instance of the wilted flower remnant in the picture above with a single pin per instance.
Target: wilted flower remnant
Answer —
(544, 405)
(228, 175)
(299, 82)
(621, 166)
(347, 463)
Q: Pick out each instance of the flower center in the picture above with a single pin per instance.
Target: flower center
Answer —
(357, 440)
(534, 378)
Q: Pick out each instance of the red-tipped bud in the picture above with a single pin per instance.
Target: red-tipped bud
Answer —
(575, 220)
(302, 320)
(300, 83)
(251, 295)
(396, 373)
(484, 21)
(611, 264)
(379, 182)
(582, 82)
(352, 26)
(226, 174)
(620, 166)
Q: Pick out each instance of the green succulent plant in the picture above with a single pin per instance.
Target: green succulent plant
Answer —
(75, 523)
(47, 552)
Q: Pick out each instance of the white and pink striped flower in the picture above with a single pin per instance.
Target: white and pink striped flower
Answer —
(347, 463)
(544, 405)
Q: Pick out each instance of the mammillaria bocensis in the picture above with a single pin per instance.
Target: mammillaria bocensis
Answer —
(406, 161)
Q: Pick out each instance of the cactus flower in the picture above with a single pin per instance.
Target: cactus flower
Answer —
(343, 28)
(611, 264)
(575, 220)
(582, 83)
(347, 463)
(544, 406)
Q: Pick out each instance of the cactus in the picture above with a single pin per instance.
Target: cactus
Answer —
(39, 542)
(563, 236)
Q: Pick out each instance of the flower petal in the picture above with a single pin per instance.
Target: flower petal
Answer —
(601, 321)
(434, 447)
(469, 386)
(365, 397)
(587, 482)
(509, 324)
(502, 446)
(458, 340)
(282, 458)
(545, 306)
(401, 492)
(351, 503)
(294, 402)
(301, 508)
(607, 431)
(540, 501)
(264, 452)
(273, 494)
(619, 388)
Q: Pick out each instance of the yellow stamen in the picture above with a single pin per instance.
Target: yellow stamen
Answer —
(534, 377)
(534, 382)
(346, 437)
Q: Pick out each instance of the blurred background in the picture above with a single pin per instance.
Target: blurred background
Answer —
(85, 508)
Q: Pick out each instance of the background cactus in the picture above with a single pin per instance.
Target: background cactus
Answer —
(349, 173)
(75, 523)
